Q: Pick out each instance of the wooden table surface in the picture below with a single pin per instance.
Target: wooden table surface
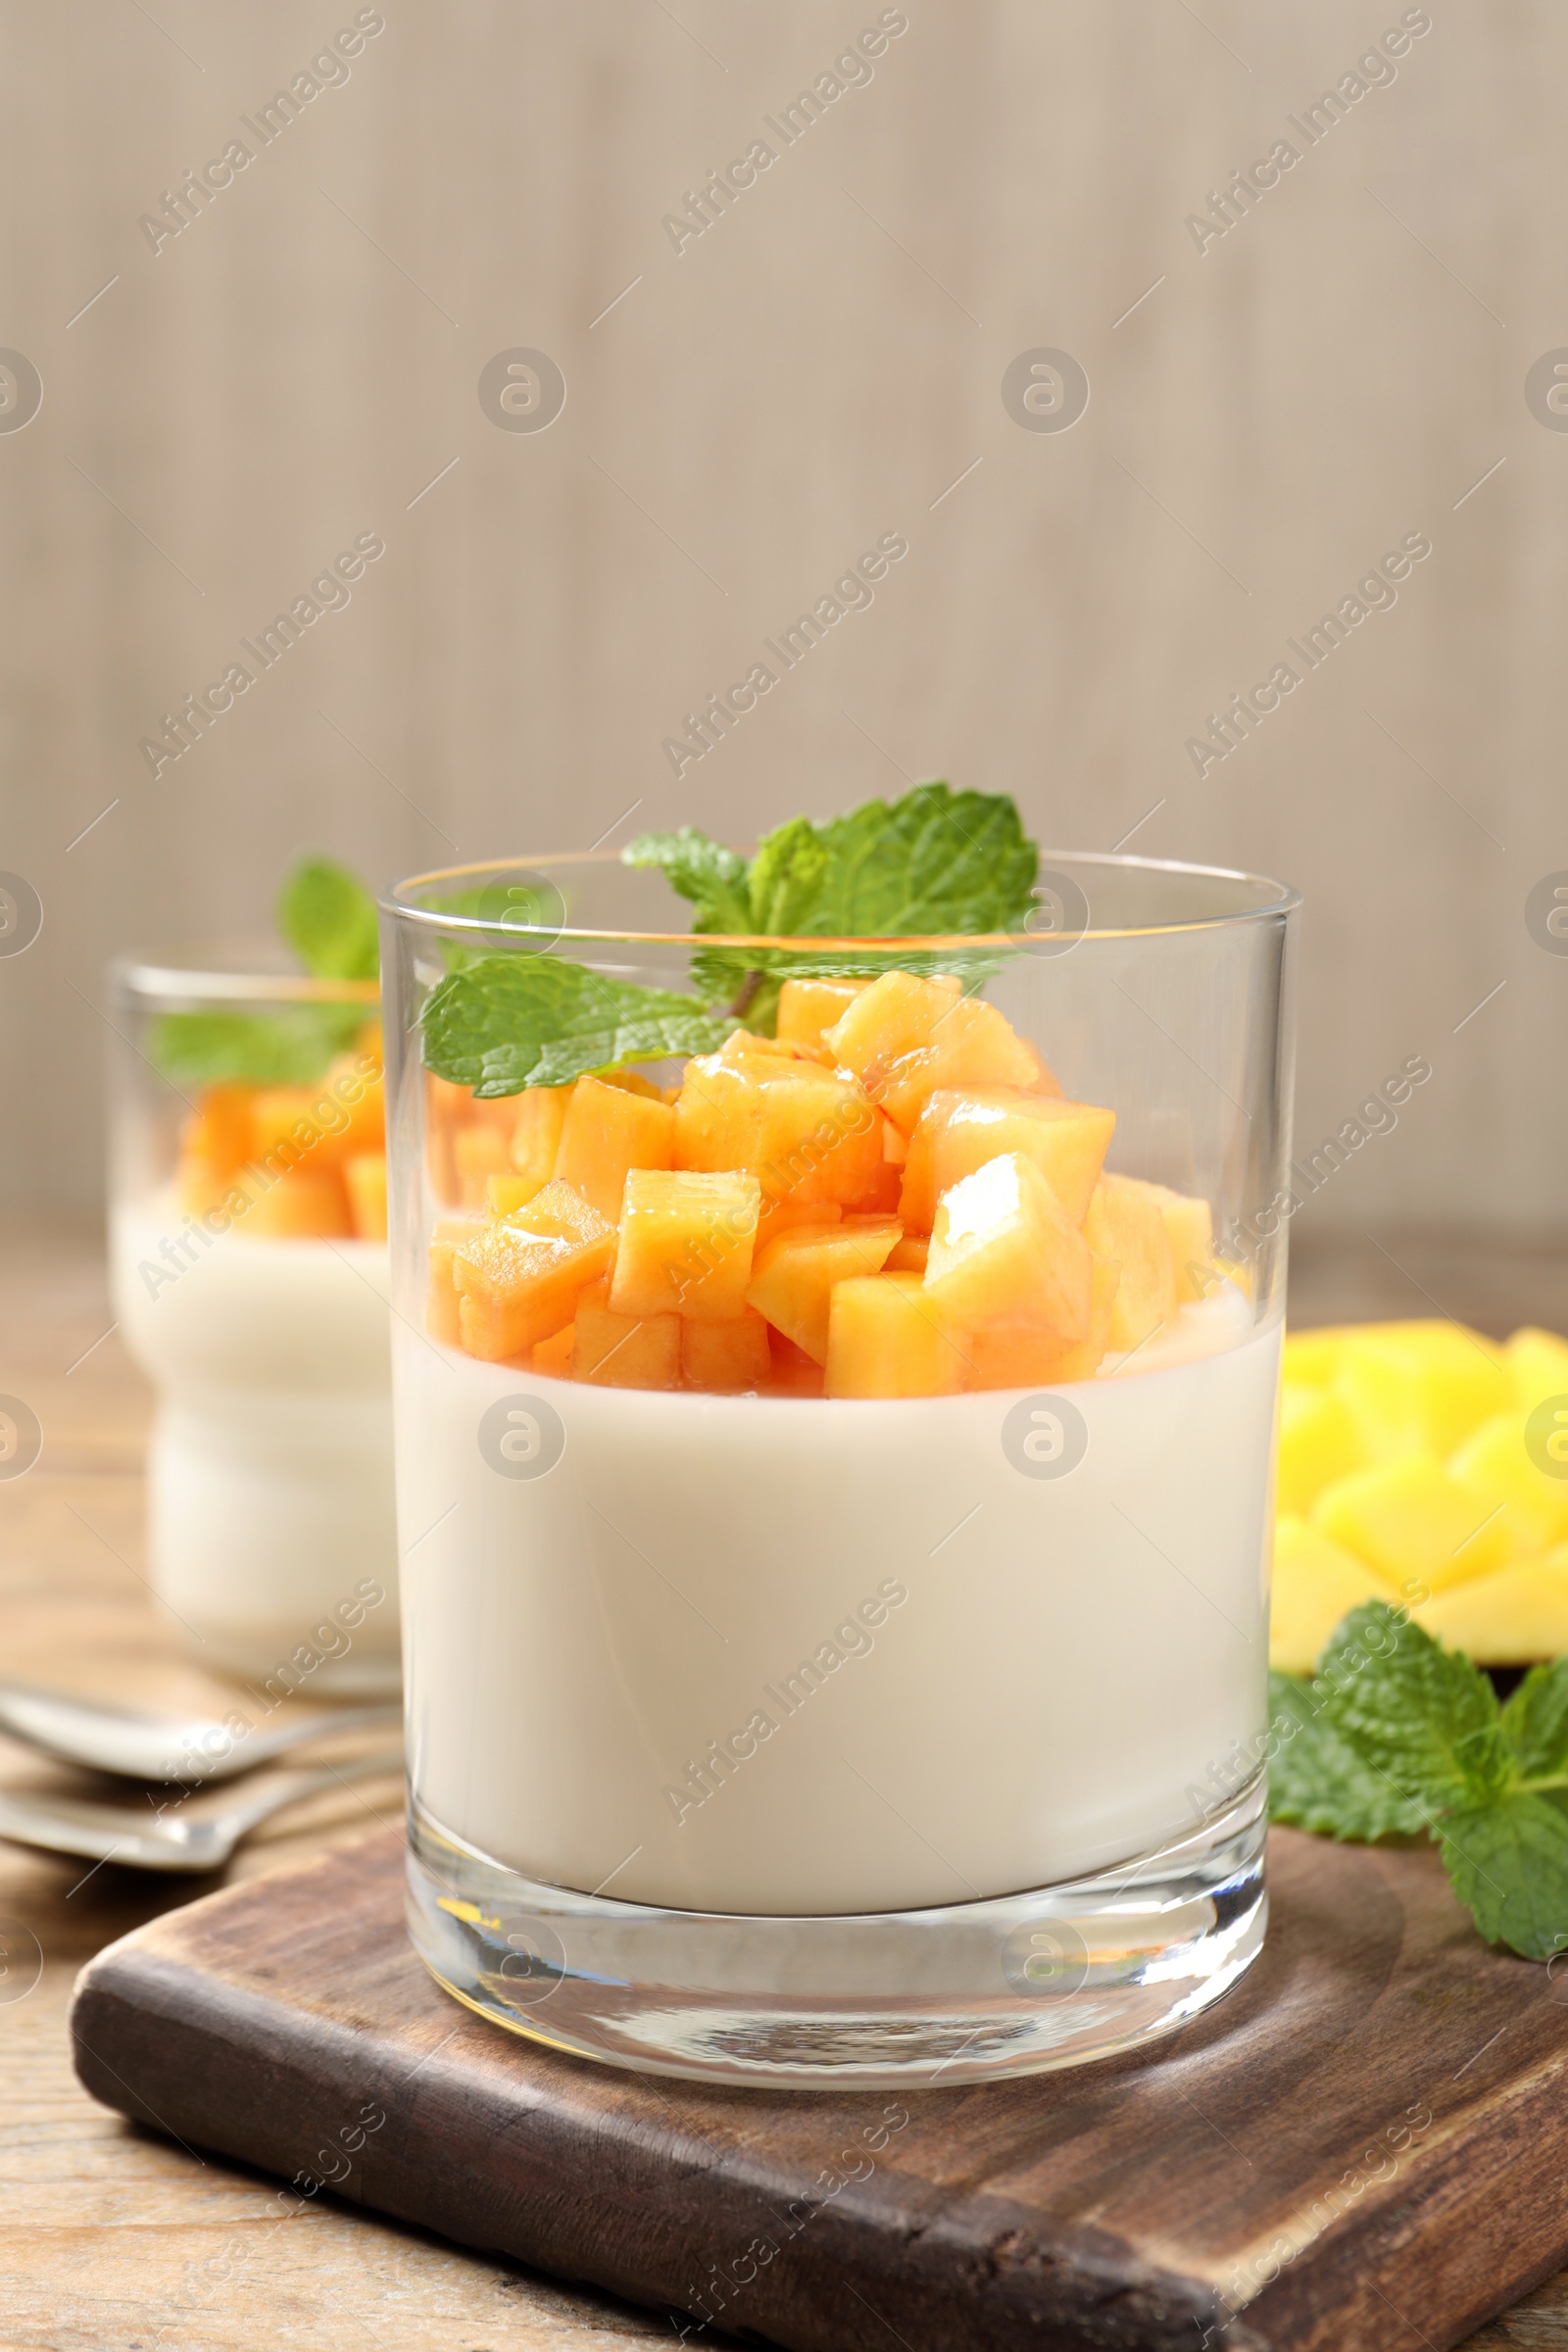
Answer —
(114, 2240)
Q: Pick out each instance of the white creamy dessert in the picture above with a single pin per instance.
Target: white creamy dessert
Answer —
(810, 1656)
(272, 1532)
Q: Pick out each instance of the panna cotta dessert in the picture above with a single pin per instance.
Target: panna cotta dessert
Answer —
(249, 1278)
(835, 1483)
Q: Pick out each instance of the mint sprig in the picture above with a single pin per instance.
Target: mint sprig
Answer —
(329, 918)
(936, 862)
(506, 1022)
(1396, 1733)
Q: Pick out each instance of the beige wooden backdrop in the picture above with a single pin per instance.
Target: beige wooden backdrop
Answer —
(821, 366)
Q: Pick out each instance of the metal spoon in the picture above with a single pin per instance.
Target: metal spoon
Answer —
(141, 1745)
(193, 1840)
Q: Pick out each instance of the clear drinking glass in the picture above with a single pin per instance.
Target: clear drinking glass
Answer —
(790, 1736)
(248, 1260)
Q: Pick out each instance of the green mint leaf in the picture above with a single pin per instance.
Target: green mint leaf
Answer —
(703, 870)
(1508, 1861)
(789, 880)
(1421, 1714)
(506, 1022)
(288, 1048)
(329, 918)
(1317, 1781)
(935, 861)
(1534, 1722)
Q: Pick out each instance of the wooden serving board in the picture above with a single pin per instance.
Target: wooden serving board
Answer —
(1365, 2145)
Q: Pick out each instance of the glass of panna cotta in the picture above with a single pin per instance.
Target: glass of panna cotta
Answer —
(835, 1467)
(248, 1260)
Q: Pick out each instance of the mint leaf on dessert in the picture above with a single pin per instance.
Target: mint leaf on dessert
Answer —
(1317, 1781)
(288, 1048)
(1508, 1861)
(1535, 1723)
(1422, 1714)
(329, 918)
(703, 870)
(506, 1022)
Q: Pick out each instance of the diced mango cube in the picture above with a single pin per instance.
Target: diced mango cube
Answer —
(1313, 1358)
(973, 1045)
(806, 1132)
(1514, 1617)
(536, 1136)
(623, 1352)
(479, 1152)
(784, 1215)
(886, 1338)
(1315, 1584)
(793, 1372)
(1537, 1367)
(1008, 1354)
(794, 1275)
(807, 1007)
(961, 1128)
(1124, 1223)
(726, 1356)
(1004, 1248)
(441, 1299)
(1413, 1522)
(631, 1082)
(908, 1255)
(219, 1130)
(1420, 1388)
(364, 1176)
(554, 1355)
(355, 1096)
(686, 1242)
(304, 1203)
(892, 1016)
(746, 1045)
(606, 1131)
(504, 1195)
(1190, 1225)
(517, 1281)
(1495, 1466)
(1319, 1445)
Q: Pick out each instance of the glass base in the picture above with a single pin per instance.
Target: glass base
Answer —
(967, 1992)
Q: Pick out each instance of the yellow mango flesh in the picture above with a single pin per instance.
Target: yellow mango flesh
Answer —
(726, 1356)
(554, 1355)
(1495, 1465)
(1190, 1230)
(1021, 1355)
(477, 1154)
(1537, 1367)
(1125, 1224)
(1415, 1524)
(973, 1045)
(794, 1275)
(805, 1007)
(536, 1136)
(808, 1134)
(365, 1176)
(1420, 1388)
(1514, 1614)
(686, 1244)
(1004, 1248)
(1316, 1583)
(896, 1015)
(1318, 1444)
(606, 1131)
(304, 1204)
(623, 1352)
(961, 1129)
(885, 1339)
(518, 1280)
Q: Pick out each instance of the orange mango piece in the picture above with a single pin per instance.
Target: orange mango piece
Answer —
(686, 1242)
(304, 1203)
(961, 1128)
(554, 1355)
(886, 1339)
(359, 1096)
(1022, 1355)
(1126, 1222)
(808, 1007)
(219, 1130)
(726, 1356)
(517, 1281)
(606, 1131)
(536, 1134)
(365, 1176)
(804, 1131)
(623, 1352)
(1004, 1248)
(973, 1045)
(479, 1152)
(795, 1276)
(908, 1255)
(896, 1014)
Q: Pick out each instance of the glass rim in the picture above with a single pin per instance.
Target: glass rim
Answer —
(164, 978)
(1281, 899)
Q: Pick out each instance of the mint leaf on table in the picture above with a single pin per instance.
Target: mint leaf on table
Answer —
(936, 862)
(1397, 1732)
(1317, 1781)
(506, 1022)
(329, 918)
(288, 1048)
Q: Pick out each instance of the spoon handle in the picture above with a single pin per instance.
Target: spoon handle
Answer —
(288, 1787)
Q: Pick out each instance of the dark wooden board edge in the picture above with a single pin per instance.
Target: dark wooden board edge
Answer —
(508, 2147)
